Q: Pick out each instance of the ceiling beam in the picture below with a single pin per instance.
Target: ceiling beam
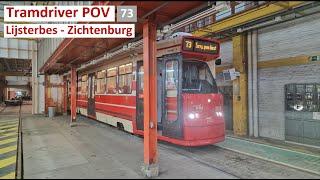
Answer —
(18, 86)
(144, 11)
(1, 67)
(186, 14)
(282, 4)
(7, 64)
(244, 17)
(29, 39)
(14, 73)
(16, 63)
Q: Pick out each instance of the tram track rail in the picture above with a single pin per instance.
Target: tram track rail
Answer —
(234, 164)
(19, 163)
(187, 152)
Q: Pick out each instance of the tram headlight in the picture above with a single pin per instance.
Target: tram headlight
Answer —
(191, 116)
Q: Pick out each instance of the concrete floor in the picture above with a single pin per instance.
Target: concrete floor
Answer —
(53, 149)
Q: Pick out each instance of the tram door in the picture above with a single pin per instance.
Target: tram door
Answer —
(91, 98)
(69, 96)
(171, 104)
(168, 119)
(139, 108)
(139, 95)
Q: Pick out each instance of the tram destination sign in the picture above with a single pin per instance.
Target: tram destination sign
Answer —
(200, 46)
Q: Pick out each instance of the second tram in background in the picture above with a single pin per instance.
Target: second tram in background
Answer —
(190, 109)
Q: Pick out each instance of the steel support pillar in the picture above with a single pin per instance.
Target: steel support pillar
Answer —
(240, 86)
(73, 94)
(65, 95)
(2, 85)
(46, 96)
(150, 168)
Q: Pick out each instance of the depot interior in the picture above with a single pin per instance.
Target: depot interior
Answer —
(273, 91)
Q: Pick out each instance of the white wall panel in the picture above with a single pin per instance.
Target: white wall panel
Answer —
(41, 94)
(226, 50)
(289, 39)
(46, 48)
(18, 80)
(16, 48)
(226, 53)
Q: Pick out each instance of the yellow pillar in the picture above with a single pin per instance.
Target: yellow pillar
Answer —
(240, 89)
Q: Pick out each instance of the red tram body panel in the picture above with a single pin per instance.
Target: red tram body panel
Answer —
(190, 109)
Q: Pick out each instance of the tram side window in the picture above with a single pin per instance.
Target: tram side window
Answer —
(112, 80)
(101, 82)
(172, 90)
(125, 79)
(84, 84)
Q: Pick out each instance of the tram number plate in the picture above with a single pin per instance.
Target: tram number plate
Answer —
(199, 46)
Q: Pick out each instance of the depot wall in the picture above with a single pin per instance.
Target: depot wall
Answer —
(18, 80)
(290, 39)
(226, 55)
(47, 46)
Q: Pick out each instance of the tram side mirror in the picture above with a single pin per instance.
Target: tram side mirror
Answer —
(218, 62)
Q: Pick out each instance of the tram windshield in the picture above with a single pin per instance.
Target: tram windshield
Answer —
(197, 78)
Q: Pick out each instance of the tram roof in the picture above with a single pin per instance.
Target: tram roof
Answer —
(76, 51)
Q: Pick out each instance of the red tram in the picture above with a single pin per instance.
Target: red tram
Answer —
(190, 109)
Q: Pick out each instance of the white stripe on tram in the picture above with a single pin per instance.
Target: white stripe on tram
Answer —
(117, 105)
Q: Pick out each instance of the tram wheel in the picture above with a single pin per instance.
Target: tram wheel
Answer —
(120, 126)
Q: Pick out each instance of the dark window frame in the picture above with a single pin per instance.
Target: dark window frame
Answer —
(125, 74)
(114, 76)
(105, 81)
(87, 81)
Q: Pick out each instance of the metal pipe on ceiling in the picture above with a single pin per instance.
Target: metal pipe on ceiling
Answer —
(152, 11)
(192, 19)
(280, 18)
(179, 18)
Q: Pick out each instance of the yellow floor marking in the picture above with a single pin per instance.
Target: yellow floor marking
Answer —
(8, 126)
(8, 149)
(6, 141)
(9, 121)
(8, 161)
(15, 128)
(9, 134)
(11, 175)
(3, 134)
